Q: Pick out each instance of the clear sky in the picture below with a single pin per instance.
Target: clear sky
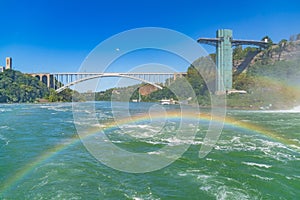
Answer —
(56, 36)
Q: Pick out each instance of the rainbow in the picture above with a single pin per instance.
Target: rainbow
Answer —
(12, 181)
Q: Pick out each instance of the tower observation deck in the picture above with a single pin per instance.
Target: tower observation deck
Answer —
(224, 43)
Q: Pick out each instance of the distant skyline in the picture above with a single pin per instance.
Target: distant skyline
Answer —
(56, 36)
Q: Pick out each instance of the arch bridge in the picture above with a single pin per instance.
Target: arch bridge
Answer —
(61, 81)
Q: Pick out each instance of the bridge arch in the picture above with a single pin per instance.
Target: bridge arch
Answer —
(44, 79)
(37, 77)
(105, 75)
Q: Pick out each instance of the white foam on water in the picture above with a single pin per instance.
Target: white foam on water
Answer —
(176, 141)
(262, 177)
(237, 143)
(182, 174)
(224, 192)
(5, 109)
(295, 147)
(56, 107)
(4, 127)
(293, 110)
(154, 153)
(257, 164)
(289, 178)
(296, 176)
(296, 109)
(214, 186)
(4, 139)
(155, 142)
(276, 150)
(136, 196)
(193, 170)
(205, 188)
(203, 177)
(40, 184)
(142, 127)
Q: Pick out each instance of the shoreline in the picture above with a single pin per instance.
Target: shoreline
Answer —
(241, 108)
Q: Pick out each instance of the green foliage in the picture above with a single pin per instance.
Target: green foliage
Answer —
(213, 57)
(201, 76)
(287, 71)
(53, 96)
(104, 96)
(118, 94)
(66, 95)
(270, 42)
(16, 87)
(165, 93)
(268, 84)
(239, 53)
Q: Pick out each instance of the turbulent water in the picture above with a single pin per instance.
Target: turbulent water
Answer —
(42, 158)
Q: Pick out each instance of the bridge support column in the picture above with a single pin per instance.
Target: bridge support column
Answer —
(48, 80)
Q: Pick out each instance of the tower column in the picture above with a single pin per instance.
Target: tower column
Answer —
(224, 60)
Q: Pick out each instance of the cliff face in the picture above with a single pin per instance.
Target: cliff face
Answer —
(279, 52)
(272, 78)
(147, 89)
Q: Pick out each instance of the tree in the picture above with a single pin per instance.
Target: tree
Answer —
(292, 38)
(282, 47)
(268, 40)
(238, 53)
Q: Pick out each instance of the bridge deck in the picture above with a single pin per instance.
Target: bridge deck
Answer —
(214, 42)
(112, 73)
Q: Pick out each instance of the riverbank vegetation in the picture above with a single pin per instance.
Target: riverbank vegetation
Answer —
(16, 87)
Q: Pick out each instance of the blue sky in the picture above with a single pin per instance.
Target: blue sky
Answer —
(56, 36)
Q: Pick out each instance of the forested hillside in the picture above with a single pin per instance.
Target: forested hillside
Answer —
(272, 78)
(16, 87)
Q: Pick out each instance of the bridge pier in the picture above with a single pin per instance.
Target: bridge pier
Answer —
(45, 78)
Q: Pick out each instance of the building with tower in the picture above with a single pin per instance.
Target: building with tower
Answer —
(8, 63)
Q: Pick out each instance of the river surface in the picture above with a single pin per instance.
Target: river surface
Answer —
(41, 157)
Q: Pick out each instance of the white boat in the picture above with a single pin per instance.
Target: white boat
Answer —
(167, 101)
